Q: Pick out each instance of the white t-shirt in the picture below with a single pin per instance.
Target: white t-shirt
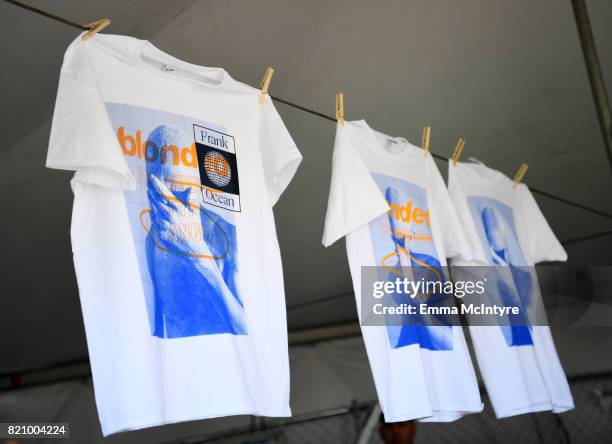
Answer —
(175, 250)
(519, 364)
(382, 186)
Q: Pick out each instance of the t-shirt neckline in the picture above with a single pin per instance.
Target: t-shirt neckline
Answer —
(402, 156)
(167, 59)
(483, 172)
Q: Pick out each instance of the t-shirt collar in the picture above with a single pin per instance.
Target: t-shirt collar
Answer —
(168, 63)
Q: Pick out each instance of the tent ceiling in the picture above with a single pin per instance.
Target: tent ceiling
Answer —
(508, 77)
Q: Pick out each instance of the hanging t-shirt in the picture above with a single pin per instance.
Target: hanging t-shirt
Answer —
(389, 200)
(519, 363)
(175, 250)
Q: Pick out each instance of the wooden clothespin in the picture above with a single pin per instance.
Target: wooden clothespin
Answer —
(265, 83)
(425, 144)
(520, 174)
(340, 108)
(95, 27)
(458, 151)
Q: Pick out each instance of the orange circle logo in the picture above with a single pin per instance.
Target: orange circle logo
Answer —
(217, 168)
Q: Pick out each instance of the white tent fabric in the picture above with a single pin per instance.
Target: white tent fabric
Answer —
(461, 67)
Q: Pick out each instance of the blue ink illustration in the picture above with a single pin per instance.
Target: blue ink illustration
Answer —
(512, 285)
(186, 249)
(402, 238)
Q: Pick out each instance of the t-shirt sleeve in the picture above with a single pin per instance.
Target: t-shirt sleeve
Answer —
(542, 244)
(354, 198)
(454, 241)
(82, 137)
(280, 156)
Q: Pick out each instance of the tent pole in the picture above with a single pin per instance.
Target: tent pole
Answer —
(368, 429)
(598, 87)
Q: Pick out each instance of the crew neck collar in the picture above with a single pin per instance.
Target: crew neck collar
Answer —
(407, 150)
(200, 75)
(482, 171)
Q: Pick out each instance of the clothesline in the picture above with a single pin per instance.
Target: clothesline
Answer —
(333, 119)
(329, 298)
(49, 15)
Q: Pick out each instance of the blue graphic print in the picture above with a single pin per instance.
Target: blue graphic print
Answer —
(513, 285)
(402, 238)
(186, 249)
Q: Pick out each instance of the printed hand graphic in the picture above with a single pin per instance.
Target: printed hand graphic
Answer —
(170, 217)
(173, 219)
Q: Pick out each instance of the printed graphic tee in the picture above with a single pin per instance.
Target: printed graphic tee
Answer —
(178, 266)
(519, 363)
(390, 203)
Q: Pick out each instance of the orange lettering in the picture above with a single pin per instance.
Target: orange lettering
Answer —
(407, 213)
(175, 154)
(139, 144)
(418, 215)
(189, 152)
(132, 145)
(122, 141)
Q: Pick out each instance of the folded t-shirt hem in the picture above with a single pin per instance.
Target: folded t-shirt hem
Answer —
(414, 414)
(563, 406)
(146, 423)
(453, 413)
(530, 408)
